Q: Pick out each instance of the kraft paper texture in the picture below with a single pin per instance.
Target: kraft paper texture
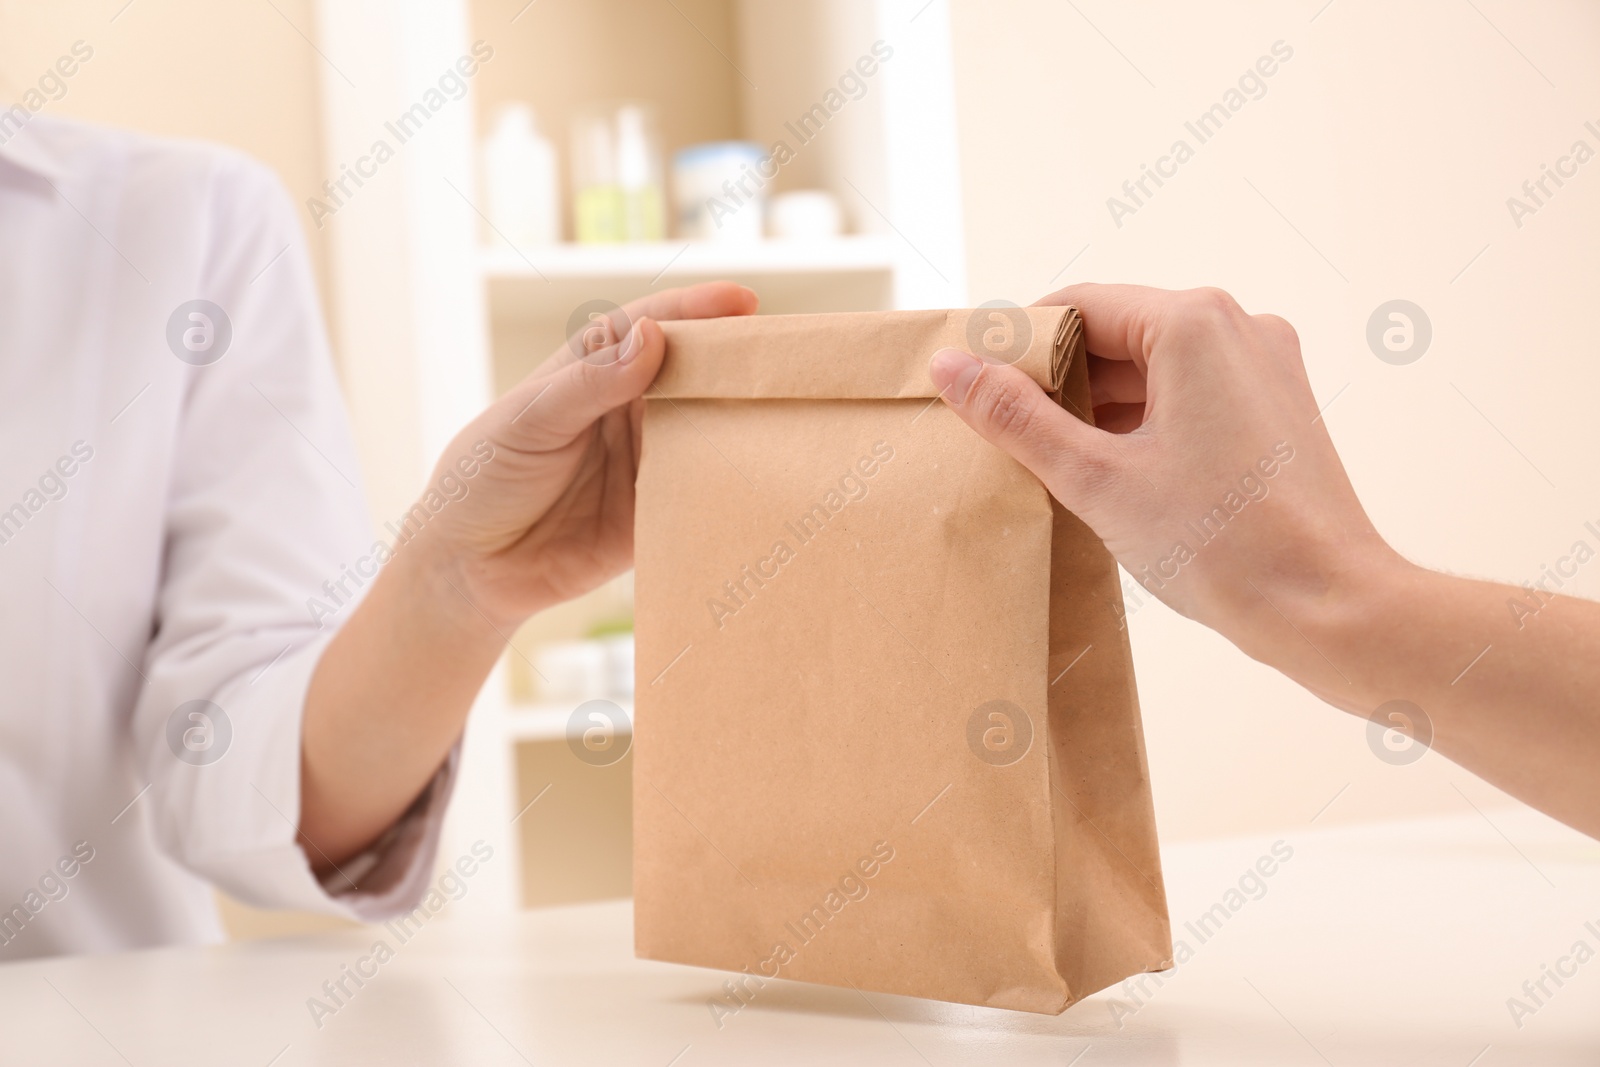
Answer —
(886, 733)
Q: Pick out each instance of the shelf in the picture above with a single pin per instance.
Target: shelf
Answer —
(664, 259)
(479, 319)
(548, 722)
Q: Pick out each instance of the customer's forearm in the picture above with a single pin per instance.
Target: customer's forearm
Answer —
(387, 702)
(1507, 679)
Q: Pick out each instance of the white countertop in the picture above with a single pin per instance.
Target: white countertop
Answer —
(1393, 944)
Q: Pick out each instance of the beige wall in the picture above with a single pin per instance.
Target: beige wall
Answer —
(1390, 141)
(239, 74)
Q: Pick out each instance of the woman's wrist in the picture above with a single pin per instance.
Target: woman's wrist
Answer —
(431, 584)
(1327, 628)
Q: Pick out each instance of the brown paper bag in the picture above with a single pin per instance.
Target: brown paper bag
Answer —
(886, 732)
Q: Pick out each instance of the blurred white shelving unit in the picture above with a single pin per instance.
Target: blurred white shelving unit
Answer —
(435, 315)
(547, 721)
(654, 260)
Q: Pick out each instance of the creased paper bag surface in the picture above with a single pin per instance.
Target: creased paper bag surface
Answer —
(886, 733)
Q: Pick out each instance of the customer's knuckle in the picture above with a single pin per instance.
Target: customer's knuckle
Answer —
(1097, 470)
(1007, 409)
(1214, 302)
(1278, 329)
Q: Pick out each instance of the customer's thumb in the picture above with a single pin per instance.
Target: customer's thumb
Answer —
(1008, 409)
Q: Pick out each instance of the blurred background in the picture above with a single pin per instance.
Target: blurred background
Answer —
(1378, 174)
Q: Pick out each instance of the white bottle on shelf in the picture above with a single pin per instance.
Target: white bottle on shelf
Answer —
(519, 166)
(644, 208)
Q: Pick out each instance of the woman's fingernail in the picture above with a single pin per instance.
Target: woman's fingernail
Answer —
(954, 371)
(632, 343)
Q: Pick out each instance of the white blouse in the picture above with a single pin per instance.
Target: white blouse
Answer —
(177, 479)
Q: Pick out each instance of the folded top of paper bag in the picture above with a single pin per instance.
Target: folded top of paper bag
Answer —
(857, 355)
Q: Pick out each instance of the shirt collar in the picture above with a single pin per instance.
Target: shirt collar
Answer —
(25, 150)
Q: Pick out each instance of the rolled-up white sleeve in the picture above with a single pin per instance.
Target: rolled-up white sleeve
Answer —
(264, 514)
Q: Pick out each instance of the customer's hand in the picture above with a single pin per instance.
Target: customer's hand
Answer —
(550, 516)
(1211, 477)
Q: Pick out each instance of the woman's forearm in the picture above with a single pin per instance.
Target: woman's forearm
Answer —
(388, 700)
